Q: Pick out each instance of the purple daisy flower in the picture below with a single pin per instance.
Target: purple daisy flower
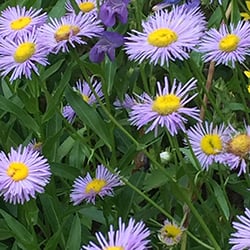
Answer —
(88, 188)
(228, 45)
(132, 237)
(86, 6)
(188, 4)
(170, 234)
(107, 44)
(87, 95)
(208, 142)
(164, 4)
(166, 36)
(167, 109)
(34, 145)
(241, 238)
(69, 30)
(127, 103)
(237, 150)
(112, 9)
(21, 56)
(69, 113)
(17, 21)
(23, 173)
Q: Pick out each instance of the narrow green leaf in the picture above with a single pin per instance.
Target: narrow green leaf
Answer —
(220, 198)
(5, 232)
(51, 70)
(74, 240)
(58, 10)
(64, 171)
(21, 114)
(50, 212)
(89, 116)
(110, 72)
(21, 234)
(54, 102)
(54, 240)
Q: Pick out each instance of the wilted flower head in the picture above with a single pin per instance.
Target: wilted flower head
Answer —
(85, 6)
(21, 56)
(241, 238)
(237, 150)
(170, 234)
(132, 237)
(167, 109)
(87, 95)
(228, 45)
(112, 9)
(208, 142)
(107, 44)
(23, 173)
(88, 188)
(17, 21)
(69, 30)
(166, 35)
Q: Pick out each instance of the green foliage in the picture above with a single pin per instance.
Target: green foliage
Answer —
(205, 202)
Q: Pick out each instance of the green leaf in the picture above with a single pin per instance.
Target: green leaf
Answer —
(21, 234)
(51, 70)
(53, 103)
(64, 171)
(110, 72)
(89, 116)
(74, 239)
(154, 179)
(5, 232)
(220, 198)
(21, 114)
(58, 9)
(50, 212)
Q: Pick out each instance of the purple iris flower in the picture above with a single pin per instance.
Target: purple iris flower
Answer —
(112, 9)
(108, 42)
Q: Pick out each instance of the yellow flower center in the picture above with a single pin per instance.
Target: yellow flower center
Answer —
(247, 73)
(162, 37)
(24, 52)
(96, 185)
(114, 248)
(166, 104)
(211, 144)
(17, 171)
(248, 88)
(240, 145)
(86, 7)
(85, 98)
(229, 43)
(64, 32)
(171, 231)
(20, 23)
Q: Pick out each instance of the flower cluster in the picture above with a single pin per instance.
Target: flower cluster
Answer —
(220, 144)
(26, 39)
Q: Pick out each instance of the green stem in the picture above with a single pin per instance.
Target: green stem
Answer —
(164, 212)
